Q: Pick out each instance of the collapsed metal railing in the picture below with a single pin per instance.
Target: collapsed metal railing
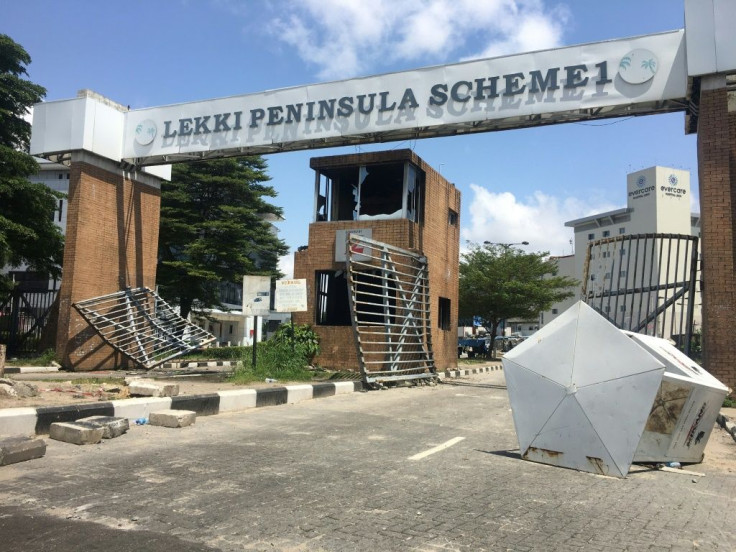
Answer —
(142, 326)
(645, 283)
(388, 289)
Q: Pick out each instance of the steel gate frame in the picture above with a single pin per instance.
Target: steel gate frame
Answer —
(138, 323)
(399, 345)
(650, 257)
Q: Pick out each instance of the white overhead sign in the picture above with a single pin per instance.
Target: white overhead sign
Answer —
(291, 295)
(618, 77)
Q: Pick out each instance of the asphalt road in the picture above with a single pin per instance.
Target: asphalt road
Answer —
(352, 472)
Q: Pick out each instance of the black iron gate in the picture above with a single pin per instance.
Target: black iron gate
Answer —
(645, 283)
(23, 317)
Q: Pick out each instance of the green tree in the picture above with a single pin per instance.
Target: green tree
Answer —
(28, 234)
(499, 282)
(214, 228)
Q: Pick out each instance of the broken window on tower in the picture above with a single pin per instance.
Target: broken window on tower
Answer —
(370, 192)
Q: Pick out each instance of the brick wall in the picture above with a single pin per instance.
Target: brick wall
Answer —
(437, 239)
(717, 181)
(111, 243)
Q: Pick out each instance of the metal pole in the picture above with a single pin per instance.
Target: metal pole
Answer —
(255, 339)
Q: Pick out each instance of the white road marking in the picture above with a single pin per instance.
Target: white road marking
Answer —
(438, 448)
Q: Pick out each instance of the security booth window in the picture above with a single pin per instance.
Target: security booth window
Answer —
(332, 298)
(370, 192)
(375, 298)
(444, 313)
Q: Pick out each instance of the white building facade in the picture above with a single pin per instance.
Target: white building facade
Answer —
(658, 202)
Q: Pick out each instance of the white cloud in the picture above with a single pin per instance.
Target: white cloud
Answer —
(344, 38)
(286, 265)
(539, 219)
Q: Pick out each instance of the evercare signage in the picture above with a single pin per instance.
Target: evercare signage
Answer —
(607, 78)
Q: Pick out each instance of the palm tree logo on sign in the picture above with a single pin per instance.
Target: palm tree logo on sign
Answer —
(638, 66)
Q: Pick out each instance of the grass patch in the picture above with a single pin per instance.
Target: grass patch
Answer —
(729, 402)
(43, 359)
(275, 360)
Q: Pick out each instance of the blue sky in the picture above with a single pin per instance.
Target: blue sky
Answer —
(516, 185)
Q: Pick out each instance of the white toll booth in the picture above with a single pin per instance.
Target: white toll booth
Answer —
(685, 408)
(588, 396)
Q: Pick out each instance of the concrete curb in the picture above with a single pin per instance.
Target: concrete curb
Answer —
(468, 372)
(30, 369)
(38, 420)
(199, 364)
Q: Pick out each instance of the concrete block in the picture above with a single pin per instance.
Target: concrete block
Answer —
(237, 399)
(77, 433)
(172, 418)
(342, 387)
(20, 449)
(140, 407)
(111, 426)
(149, 388)
(298, 393)
(17, 421)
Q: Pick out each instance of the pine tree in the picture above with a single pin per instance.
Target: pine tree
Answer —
(28, 234)
(214, 229)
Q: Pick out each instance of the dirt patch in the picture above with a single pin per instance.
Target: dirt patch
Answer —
(59, 393)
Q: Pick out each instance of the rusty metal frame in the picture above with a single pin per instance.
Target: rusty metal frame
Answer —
(646, 279)
(390, 314)
(142, 326)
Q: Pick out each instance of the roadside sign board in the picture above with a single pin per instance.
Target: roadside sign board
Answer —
(256, 295)
(291, 295)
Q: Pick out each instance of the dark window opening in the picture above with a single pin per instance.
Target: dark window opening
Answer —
(451, 217)
(28, 280)
(387, 191)
(375, 298)
(332, 308)
(444, 313)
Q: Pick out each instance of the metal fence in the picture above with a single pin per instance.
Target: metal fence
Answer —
(645, 283)
(23, 317)
(389, 305)
(142, 326)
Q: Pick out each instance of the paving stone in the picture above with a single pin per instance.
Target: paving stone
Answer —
(112, 426)
(20, 449)
(149, 388)
(77, 433)
(172, 418)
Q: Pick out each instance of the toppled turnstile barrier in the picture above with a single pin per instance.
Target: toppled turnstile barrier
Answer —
(142, 326)
(583, 393)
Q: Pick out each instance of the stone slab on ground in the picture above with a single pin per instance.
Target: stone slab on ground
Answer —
(77, 433)
(150, 388)
(112, 426)
(20, 449)
(172, 418)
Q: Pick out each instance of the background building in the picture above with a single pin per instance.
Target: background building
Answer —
(658, 202)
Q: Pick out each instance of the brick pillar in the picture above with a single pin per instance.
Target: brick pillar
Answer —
(111, 244)
(717, 176)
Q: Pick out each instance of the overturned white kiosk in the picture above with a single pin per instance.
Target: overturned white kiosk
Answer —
(588, 396)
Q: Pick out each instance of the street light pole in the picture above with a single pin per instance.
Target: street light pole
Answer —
(505, 244)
